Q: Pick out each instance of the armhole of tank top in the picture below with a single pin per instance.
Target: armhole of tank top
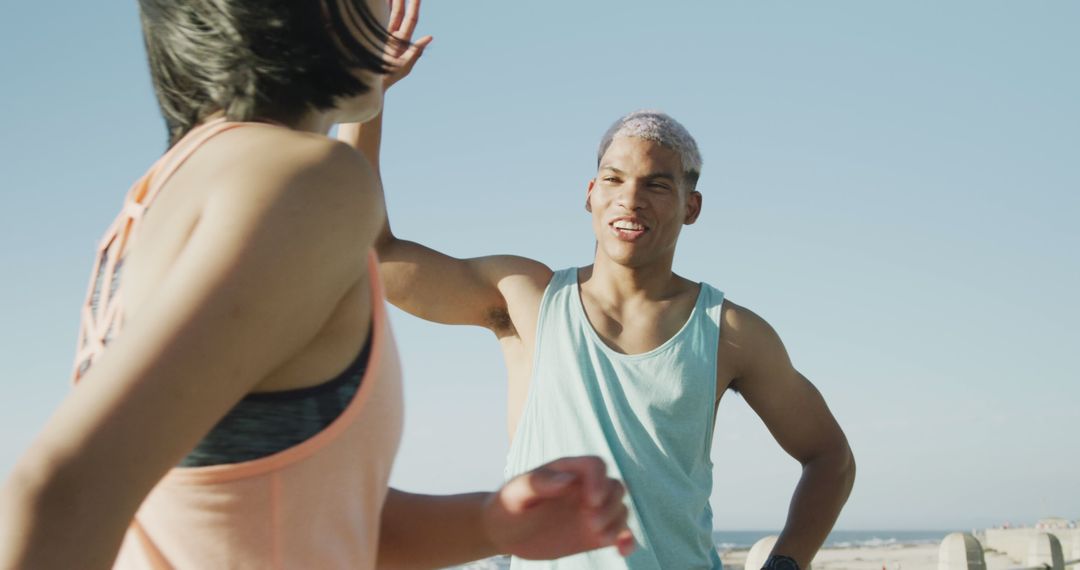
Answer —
(381, 336)
(714, 308)
(114, 245)
(154, 557)
(557, 282)
(553, 285)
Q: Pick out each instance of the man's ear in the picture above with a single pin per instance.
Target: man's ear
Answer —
(693, 207)
(588, 194)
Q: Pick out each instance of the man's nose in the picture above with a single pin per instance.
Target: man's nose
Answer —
(631, 195)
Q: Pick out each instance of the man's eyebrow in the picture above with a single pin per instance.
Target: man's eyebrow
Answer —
(650, 176)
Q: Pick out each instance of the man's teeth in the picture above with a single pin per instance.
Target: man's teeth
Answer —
(624, 225)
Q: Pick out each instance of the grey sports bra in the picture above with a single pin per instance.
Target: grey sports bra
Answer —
(265, 423)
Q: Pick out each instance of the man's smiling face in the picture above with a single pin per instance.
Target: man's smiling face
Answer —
(639, 202)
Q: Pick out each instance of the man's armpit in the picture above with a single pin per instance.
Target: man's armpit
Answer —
(498, 320)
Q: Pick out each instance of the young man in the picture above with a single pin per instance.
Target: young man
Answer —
(627, 360)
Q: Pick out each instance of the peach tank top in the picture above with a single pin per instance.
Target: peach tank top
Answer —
(314, 505)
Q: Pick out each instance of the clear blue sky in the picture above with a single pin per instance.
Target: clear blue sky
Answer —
(894, 186)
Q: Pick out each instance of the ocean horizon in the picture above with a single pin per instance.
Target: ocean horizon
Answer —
(744, 539)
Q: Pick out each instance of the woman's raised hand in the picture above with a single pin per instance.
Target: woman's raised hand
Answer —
(401, 51)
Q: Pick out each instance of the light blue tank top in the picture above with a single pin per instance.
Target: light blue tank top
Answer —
(649, 416)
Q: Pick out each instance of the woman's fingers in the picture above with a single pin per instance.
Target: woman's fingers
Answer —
(625, 542)
(405, 62)
(591, 471)
(412, 16)
(397, 12)
(609, 520)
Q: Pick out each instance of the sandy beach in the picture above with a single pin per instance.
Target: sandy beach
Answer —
(871, 550)
(889, 557)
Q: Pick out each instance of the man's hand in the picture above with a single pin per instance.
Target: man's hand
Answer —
(562, 508)
(401, 51)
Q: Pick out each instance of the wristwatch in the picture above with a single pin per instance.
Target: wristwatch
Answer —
(780, 562)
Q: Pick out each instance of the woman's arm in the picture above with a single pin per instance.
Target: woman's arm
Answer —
(562, 508)
(419, 279)
(437, 287)
(271, 256)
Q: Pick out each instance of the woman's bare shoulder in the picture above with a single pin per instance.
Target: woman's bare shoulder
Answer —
(265, 159)
(260, 172)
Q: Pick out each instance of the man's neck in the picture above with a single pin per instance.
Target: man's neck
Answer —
(617, 283)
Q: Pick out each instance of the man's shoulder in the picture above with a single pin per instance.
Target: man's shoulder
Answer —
(748, 343)
(742, 327)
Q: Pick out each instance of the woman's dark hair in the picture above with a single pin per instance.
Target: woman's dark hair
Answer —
(257, 59)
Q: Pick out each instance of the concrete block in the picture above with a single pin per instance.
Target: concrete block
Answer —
(961, 551)
(1045, 550)
(760, 552)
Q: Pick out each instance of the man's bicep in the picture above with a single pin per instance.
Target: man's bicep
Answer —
(796, 415)
(789, 405)
(448, 290)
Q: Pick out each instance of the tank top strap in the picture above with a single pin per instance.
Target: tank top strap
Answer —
(713, 300)
(143, 194)
(102, 306)
(557, 309)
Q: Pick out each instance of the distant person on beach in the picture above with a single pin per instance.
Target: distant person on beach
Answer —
(238, 397)
(626, 360)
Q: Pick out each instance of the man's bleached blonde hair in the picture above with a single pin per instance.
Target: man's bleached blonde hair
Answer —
(659, 128)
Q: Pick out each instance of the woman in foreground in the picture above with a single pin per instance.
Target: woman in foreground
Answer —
(237, 400)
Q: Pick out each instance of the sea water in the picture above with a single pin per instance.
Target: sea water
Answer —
(744, 539)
